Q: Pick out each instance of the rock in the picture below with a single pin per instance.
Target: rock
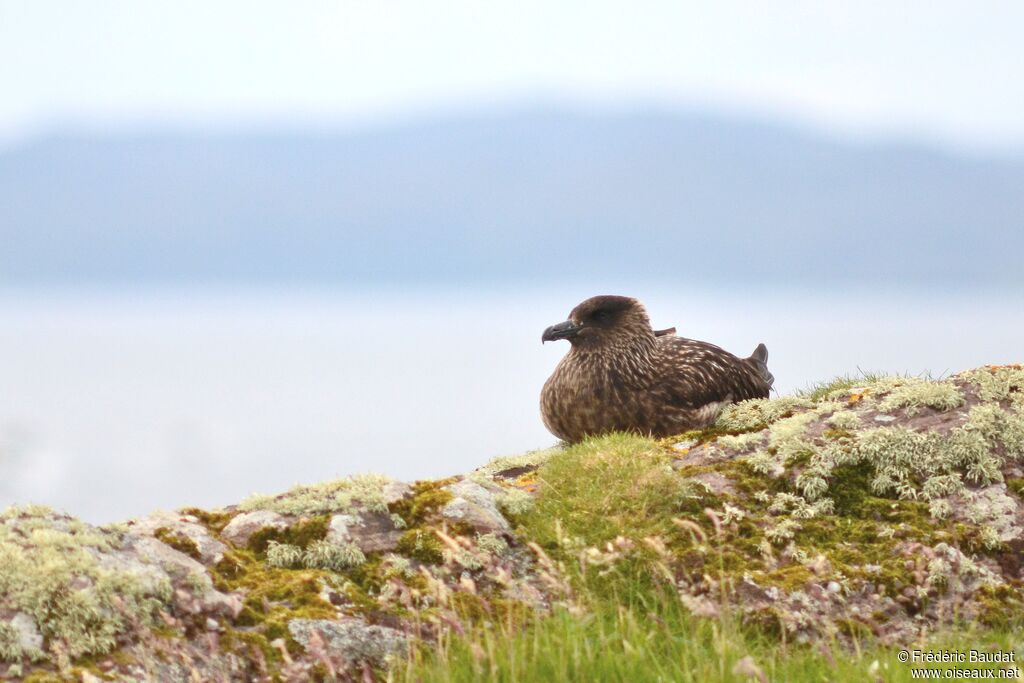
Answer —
(993, 507)
(240, 529)
(193, 588)
(475, 505)
(351, 640)
(30, 640)
(171, 524)
(371, 532)
(395, 491)
(716, 482)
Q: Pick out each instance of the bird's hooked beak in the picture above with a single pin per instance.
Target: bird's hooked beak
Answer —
(566, 330)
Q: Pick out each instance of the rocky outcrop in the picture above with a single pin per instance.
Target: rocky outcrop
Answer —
(879, 508)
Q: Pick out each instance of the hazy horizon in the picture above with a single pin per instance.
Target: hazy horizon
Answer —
(509, 196)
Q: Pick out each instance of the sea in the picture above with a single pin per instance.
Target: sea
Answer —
(118, 402)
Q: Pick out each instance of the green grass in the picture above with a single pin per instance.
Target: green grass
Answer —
(660, 641)
(820, 390)
(618, 618)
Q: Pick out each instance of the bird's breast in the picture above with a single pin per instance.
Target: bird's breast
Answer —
(583, 398)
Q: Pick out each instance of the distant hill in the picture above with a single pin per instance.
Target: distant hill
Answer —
(533, 196)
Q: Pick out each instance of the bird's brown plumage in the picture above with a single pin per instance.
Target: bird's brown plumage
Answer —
(621, 375)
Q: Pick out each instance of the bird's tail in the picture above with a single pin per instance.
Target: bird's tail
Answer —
(759, 359)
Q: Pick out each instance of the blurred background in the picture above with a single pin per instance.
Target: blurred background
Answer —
(250, 244)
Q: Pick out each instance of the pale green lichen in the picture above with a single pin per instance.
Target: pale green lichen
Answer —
(514, 501)
(492, 544)
(318, 555)
(845, 419)
(914, 394)
(915, 465)
(52, 573)
(739, 442)
(333, 556)
(467, 560)
(342, 495)
(939, 467)
(284, 555)
(758, 413)
(998, 426)
(998, 383)
(531, 460)
(786, 442)
(798, 507)
(787, 437)
(782, 532)
(12, 648)
(731, 514)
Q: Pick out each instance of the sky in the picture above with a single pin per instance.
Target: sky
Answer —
(938, 71)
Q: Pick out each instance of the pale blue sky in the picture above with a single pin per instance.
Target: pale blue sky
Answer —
(934, 70)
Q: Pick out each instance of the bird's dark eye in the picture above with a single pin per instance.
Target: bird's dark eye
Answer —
(600, 316)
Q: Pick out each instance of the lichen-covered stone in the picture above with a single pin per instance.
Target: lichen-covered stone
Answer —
(242, 526)
(183, 532)
(475, 505)
(371, 532)
(23, 637)
(349, 640)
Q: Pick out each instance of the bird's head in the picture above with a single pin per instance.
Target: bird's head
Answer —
(603, 321)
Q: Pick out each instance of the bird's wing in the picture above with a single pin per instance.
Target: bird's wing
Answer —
(693, 373)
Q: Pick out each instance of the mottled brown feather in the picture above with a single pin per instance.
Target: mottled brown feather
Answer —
(622, 375)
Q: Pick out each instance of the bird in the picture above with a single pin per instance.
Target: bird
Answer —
(622, 375)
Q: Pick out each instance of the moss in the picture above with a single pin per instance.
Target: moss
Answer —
(214, 520)
(469, 607)
(179, 542)
(426, 500)
(371, 575)
(791, 578)
(1001, 606)
(301, 534)
(850, 487)
(44, 677)
(249, 640)
(421, 545)
(1016, 485)
(283, 593)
